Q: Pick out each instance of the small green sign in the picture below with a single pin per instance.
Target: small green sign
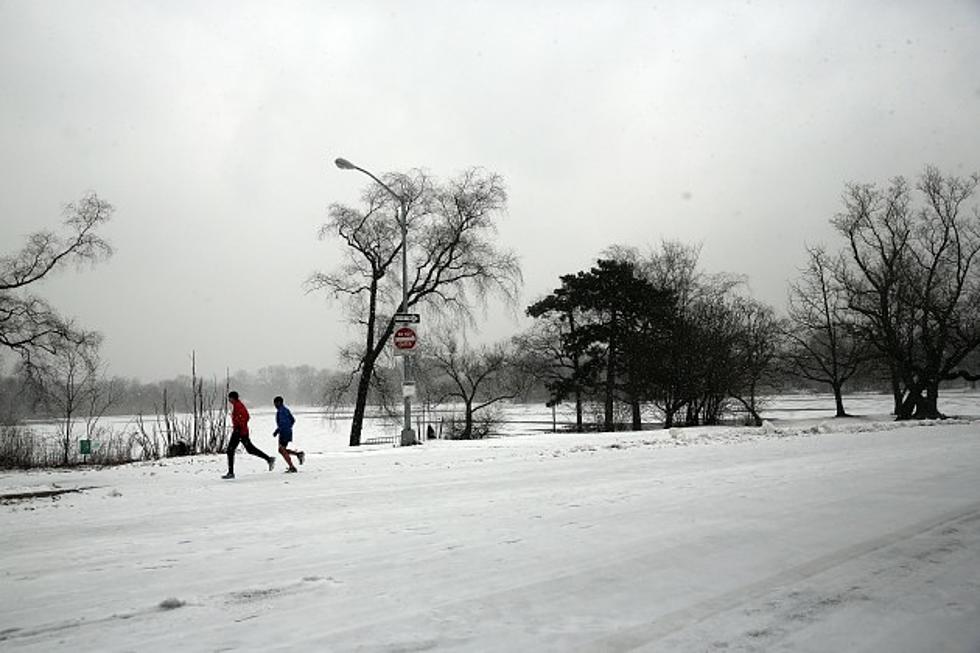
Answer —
(85, 447)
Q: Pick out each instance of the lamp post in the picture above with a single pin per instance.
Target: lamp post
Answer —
(408, 434)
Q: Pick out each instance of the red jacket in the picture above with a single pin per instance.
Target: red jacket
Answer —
(239, 417)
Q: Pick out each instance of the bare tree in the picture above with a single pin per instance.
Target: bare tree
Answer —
(455, 262)
(756, 346)
(67, 382)
(696, 359)
(477, 377)
(674, 267)
(28, 324)
(912, 278)
(823, 342)
(877, 224)
(104, 394)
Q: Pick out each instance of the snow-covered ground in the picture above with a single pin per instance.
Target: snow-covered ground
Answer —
(804, 535)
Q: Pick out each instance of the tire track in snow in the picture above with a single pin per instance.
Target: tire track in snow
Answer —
(642, 636)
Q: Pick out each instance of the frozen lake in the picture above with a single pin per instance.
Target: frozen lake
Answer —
(317, 431)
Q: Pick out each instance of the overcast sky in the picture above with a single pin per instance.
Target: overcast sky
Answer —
(211, 126)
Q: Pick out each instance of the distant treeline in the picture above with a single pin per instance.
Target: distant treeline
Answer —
(300, 385)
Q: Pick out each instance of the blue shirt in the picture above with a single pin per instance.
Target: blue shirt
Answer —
(284, 420)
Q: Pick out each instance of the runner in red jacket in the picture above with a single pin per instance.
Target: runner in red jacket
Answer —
(239, 433)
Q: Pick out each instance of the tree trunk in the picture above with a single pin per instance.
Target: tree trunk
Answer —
(610, 377)
(896, 391)
(637, 416)
(66, 444)
(467, 433)
(608, 404)
(363, 385)
(576, 368)
(371, 353)
(692, 414)
(839, 401)
(909, 402)
(927, 407)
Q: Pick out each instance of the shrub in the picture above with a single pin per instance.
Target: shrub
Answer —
(19, 447)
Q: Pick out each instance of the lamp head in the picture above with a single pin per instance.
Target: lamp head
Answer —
(344, 164)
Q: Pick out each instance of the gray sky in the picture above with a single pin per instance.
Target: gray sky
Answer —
(211, 127)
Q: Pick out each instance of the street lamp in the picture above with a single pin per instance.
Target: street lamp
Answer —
(408, 434)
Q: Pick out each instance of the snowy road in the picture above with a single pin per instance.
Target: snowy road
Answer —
(866, 541)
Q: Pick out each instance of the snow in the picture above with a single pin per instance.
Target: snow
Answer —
(803, 535)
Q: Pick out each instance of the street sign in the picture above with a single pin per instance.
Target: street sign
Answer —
(404, 339)
(407, 318)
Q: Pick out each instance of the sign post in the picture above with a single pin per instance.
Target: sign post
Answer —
(404, 341)
(405, 337)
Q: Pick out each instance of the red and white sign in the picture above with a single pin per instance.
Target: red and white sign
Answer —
(404, 339)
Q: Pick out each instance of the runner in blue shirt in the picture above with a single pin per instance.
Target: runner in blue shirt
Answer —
(284, 429)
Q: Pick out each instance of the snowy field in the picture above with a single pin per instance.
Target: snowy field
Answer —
(809, 534)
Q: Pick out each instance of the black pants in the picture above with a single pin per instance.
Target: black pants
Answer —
(237, 437)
